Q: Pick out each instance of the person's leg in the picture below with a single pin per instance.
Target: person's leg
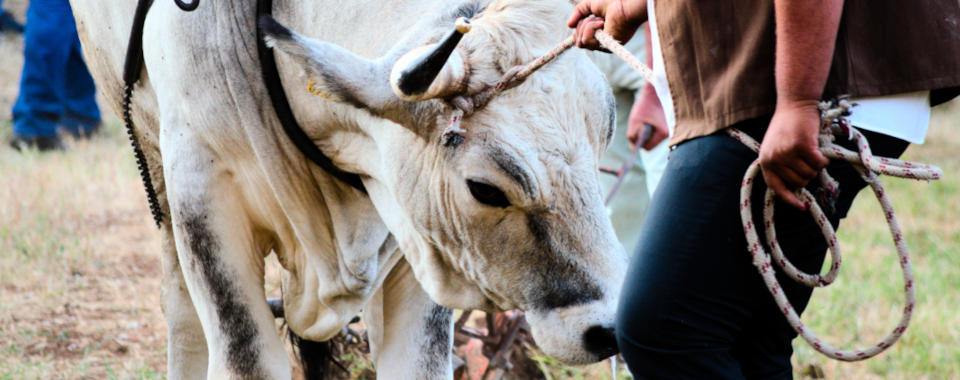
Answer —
(77, 90)
(654, 164)
(38, 108)
(693, 306)
(684, 302)
(765, 348)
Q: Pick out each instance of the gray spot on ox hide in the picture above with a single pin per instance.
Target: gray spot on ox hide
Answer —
(236, 322)
(436, 349)
(558, 281)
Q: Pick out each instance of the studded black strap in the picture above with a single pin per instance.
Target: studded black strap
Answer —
(132, 66)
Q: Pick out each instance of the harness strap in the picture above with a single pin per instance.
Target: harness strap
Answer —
(188, 7)
(278, 98)
(133, 67)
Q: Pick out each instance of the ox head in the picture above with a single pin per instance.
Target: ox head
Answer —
(513, 216)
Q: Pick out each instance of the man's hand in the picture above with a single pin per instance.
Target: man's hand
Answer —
(647, 111)
(789, 155)
(635, 133)
(806, 33)
(619, 18)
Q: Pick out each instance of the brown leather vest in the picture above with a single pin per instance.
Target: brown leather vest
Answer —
(719, 56)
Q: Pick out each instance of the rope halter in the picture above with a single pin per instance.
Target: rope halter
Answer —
(464, 105)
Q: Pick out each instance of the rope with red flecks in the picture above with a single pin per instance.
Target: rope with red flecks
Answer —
(467, 104)
(833, 123)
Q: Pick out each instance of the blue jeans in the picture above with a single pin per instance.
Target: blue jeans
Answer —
(55, 87)
(693, 305)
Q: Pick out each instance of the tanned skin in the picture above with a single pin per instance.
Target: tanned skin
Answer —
(806, 33)
(620, 18)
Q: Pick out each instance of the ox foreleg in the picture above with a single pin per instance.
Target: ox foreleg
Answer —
(186, 346)
(221, 259)
(411, 337)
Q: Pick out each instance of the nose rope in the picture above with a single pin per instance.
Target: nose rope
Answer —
(465, 105)
(834, 123)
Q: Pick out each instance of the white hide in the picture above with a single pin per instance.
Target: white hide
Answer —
(332, 240)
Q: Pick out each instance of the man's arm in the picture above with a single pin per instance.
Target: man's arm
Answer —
(806, 36)
(647, 109)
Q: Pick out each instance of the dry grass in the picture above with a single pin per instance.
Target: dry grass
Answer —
(865, 303)
(79, 267)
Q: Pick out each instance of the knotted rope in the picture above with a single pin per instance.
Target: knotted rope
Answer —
(467, 104)
(833, 123)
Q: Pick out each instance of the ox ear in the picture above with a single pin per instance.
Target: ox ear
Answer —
(337, 73)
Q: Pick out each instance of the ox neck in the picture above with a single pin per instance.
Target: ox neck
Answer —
(281, 105)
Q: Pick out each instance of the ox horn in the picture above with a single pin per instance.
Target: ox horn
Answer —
(431, 71)
(276, 307)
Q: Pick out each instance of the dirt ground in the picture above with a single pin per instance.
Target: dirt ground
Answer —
(80, 271)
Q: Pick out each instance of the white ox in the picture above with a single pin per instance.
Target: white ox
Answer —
(510, 218)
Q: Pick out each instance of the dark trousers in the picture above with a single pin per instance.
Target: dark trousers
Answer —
(56, 90)
(693, 305)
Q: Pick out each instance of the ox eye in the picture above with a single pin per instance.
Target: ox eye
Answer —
(487, 194)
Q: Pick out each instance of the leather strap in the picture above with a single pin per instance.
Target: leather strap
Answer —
(271, 78)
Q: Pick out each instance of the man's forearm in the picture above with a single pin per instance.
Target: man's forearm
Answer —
(806, 37)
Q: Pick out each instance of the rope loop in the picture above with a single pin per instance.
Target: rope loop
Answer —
(833, 124)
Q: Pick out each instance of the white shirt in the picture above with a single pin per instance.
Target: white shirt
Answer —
(905, 116)
(659, 73)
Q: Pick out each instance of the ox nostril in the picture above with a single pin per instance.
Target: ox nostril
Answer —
(601, 341)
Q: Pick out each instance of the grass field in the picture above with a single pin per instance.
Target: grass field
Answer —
(79, 267)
